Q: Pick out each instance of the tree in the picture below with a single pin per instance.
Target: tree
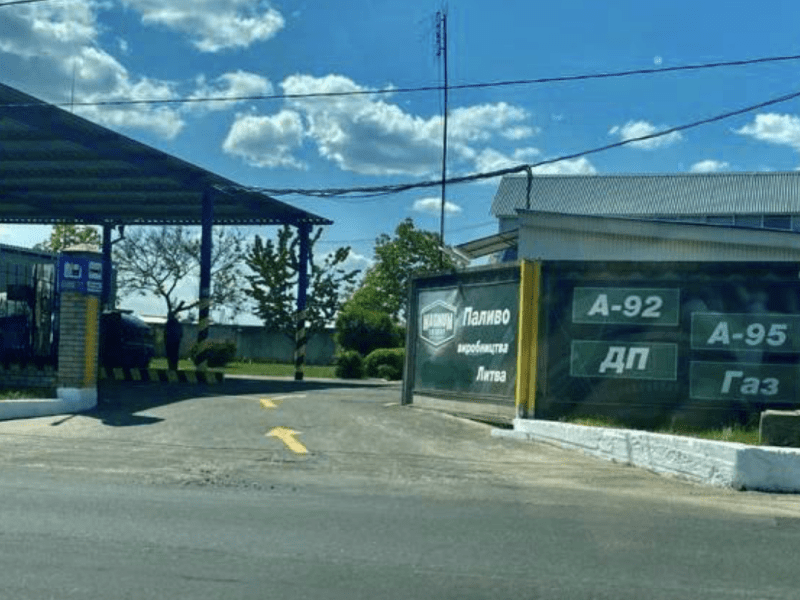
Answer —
(411, 252)
(158, 260)
(65, 235)
(273, 284)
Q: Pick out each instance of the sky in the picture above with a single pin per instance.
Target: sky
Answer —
(98, 50)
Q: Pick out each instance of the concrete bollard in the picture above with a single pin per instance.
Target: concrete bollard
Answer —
(779, 428)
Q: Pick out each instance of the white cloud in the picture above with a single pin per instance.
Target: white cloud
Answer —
(354, 261)
(213, 25)
(266, 141)
(577, 166)
(363, 134)
(635, 129)
(774, 128)
(478, 123)
(520, 132)
(58, 42)
(709, 166)
(490, 159)
(236, 84)
(372, 136)
(433, 206)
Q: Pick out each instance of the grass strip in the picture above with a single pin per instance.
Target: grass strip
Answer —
(262, 369)
(732, 433)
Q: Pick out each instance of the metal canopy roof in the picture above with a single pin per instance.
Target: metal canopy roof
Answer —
(56, 167)
(670, 194)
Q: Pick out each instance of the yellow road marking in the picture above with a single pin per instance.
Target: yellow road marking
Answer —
(287, 396)
(270, 403)
(286, 435)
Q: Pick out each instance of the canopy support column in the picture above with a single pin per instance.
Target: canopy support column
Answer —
(301, 334)
(105, 298)
(206, 243)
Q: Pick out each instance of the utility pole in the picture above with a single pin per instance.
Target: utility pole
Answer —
(441, 51)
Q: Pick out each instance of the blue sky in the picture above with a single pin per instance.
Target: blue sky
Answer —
(151, 49)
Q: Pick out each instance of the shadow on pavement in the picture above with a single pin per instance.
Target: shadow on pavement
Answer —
(119, 401)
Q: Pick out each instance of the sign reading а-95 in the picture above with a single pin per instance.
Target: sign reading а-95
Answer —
(740, 331)
(652, 306)
(646, 360)
(726, 380)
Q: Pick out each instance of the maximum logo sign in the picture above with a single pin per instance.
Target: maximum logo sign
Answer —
(438, 323)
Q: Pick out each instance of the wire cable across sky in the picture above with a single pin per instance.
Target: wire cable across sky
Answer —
(373, 192)
(417, 89)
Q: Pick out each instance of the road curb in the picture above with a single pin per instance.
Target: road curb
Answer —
(42, 407)
(722, 464)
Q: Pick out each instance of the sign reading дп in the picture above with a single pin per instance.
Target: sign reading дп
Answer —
(465, 338)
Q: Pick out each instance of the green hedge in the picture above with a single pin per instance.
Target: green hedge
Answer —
(215, 353)
(349, 365)
(386, 363)
(365, 330)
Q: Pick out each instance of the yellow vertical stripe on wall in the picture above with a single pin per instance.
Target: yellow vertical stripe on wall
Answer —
(90, 348)
(536, 310)
(527, 338)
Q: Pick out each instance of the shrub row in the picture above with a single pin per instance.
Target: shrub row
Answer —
(383, 363)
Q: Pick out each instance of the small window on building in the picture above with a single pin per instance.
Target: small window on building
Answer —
(748, 220)
(720, 220)
(777, 222)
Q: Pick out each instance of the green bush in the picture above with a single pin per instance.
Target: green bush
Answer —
(364, 330)
(349, 365)
(386, 363)
(215, 353)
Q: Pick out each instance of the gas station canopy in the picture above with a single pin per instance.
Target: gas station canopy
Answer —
(56, 167)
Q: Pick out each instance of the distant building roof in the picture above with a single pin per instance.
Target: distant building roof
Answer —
(652, 195)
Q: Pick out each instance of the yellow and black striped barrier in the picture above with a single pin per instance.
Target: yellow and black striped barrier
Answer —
(300, 339)
(161, 375)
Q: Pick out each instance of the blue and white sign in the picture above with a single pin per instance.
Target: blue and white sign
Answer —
(80, 274)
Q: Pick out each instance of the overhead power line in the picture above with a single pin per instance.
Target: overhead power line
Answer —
(418, 89)
(372, 192)
(12, 2)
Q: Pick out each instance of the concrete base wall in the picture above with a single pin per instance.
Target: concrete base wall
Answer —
(256, 343)
(723, 464)
(69, 401)
(16, 376)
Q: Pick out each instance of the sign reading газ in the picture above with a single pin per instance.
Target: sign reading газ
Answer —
(654, 339)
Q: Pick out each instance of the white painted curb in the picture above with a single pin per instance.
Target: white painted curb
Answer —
(69, 401)
(724, 464)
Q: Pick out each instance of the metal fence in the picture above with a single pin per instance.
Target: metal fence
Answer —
(28, 312)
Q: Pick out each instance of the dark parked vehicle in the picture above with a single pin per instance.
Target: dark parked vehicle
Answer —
(125, 340)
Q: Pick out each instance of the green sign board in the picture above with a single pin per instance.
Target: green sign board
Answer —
(624, 361)
(650, 306)
(463, 335)
(746, 331)
(650, 341)
(743, 381)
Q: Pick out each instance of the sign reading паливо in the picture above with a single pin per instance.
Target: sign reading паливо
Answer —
(466, 339)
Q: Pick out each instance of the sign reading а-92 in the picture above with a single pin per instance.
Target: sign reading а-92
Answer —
(739, 331)
(726, 381)
(646, 360)
(601, 305)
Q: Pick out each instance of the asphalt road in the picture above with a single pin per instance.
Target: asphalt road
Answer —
(180, 493)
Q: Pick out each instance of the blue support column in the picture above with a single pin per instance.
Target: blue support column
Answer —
(206, 242)
(106, 301)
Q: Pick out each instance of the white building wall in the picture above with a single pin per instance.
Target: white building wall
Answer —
(561, 237)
